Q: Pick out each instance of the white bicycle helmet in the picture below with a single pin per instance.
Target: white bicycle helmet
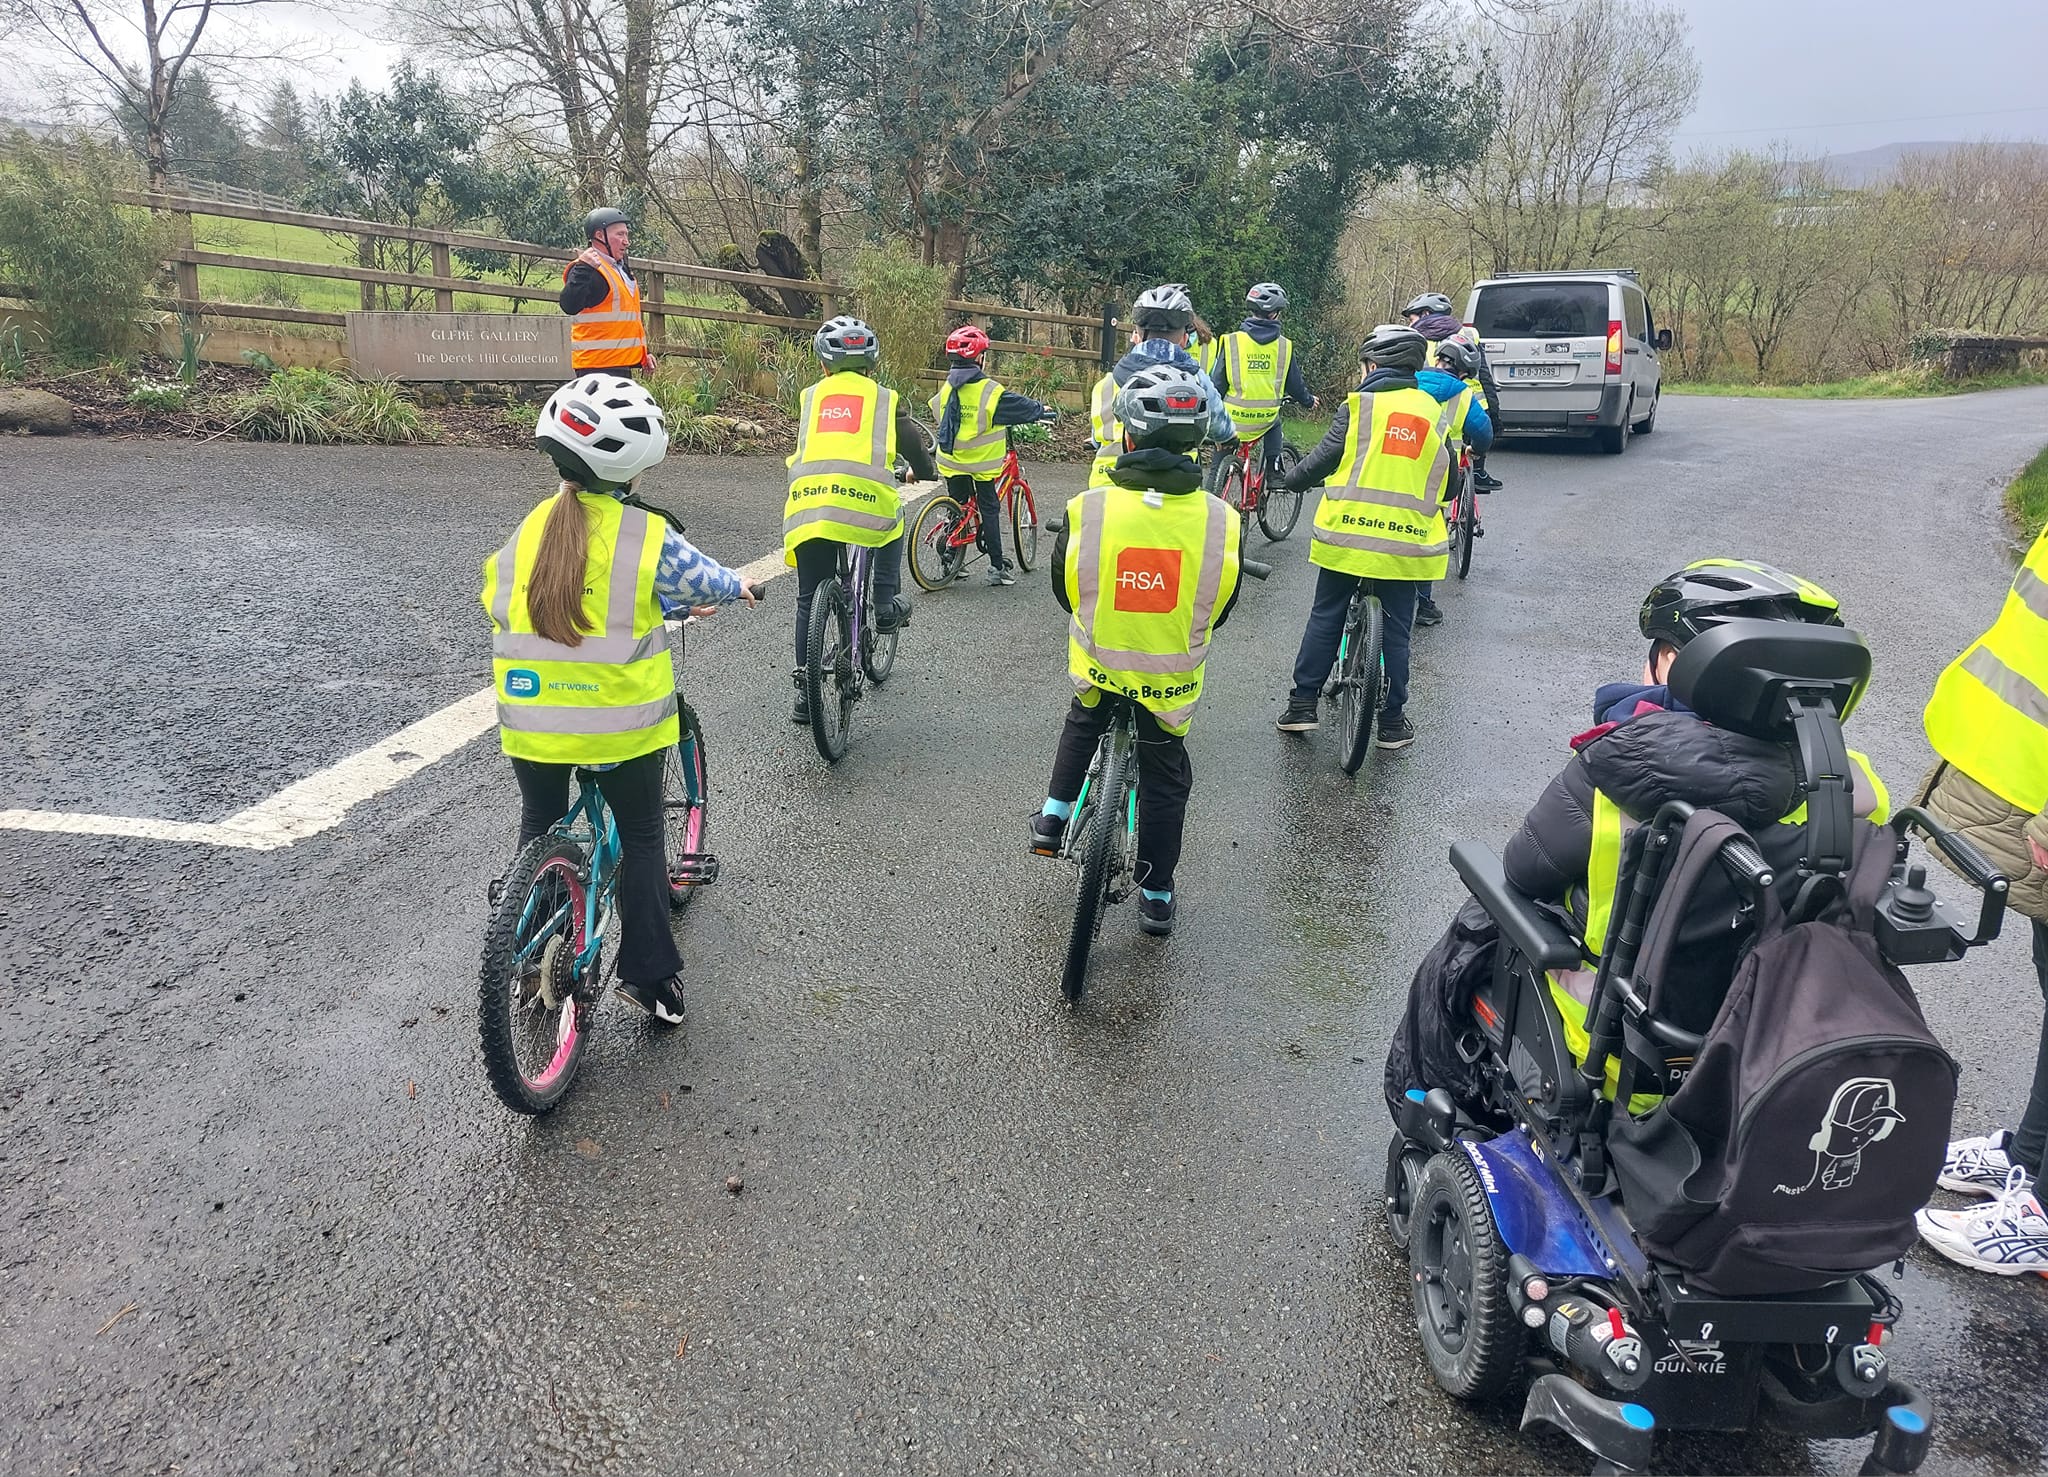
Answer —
(602, 431)
(1166, 307)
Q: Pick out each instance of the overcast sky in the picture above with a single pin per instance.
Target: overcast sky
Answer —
(1827, 76)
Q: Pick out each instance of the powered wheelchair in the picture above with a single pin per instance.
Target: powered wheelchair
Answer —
(1524, 1230)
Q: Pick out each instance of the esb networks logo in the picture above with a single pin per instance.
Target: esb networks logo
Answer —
(1147, 580)
(1405, 435)
(841, 413)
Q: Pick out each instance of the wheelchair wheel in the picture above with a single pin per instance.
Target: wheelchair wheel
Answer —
(1469, 1332)
(1404, 1172)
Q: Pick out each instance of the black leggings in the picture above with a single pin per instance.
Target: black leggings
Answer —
(983, 491)
(1165, 779)
(817, 560)
(647, 950)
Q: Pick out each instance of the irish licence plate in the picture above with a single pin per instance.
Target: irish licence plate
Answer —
(1538, 371)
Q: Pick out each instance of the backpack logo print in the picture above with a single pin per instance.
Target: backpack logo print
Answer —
(1863, 1112)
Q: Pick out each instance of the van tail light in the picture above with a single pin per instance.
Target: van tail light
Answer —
(1614, 346)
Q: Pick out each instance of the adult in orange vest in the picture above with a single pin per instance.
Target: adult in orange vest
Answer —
(600, 295)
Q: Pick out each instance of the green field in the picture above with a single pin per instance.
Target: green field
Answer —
(1894, 384)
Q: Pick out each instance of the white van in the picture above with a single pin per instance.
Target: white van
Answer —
(1574, 353)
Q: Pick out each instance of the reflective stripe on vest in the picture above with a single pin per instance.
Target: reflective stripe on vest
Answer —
(596, 338)
(980, 444)
(1255, 392)
(1989, 713)
(1381, 516)
(610, 697)
(1142, 619)
(842, 475)
(1109, 431)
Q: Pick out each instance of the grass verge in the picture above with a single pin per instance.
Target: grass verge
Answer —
(2027, 498)
(1891, 384)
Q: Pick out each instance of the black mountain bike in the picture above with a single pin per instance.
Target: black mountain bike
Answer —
(1358, 678)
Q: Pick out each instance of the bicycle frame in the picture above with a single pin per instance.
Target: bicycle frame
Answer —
(854, 581)
(966, 532)
(1123, 729)
(588, 825)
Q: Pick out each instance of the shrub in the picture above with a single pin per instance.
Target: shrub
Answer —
(904, 301)
(313, 406)
(86, 259)
(13, 350)
(795, 369)
(743, 350)
(157, 395)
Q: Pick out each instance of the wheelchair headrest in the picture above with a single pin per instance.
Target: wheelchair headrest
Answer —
(1741, 674)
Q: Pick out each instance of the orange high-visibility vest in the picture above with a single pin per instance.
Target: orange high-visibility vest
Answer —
(609, 335)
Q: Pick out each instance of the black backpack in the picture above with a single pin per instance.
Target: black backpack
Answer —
(1813, 1120)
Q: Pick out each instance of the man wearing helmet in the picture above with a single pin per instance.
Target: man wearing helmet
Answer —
(1387, 458)
(1147, 566)
(1256, 370)
(842, 480)
(604, 300)
(968, 414)
(579, 652)
(1162, 317)
(1430, 316)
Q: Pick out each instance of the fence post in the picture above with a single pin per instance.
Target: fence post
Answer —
(444, 297)
(366, 257)
(1108, 332)
(187, 272)
(653, 296)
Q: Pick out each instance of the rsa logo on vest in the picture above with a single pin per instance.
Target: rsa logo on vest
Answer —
(840, 413)
(1147, 580)
(1406, 435)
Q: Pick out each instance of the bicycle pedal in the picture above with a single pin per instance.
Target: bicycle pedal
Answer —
(694, 869)
(1478, 532)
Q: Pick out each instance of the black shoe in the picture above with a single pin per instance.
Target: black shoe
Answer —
(1155, 915)
(663, 999)
(1485, 482)
(801, 711)
(1427, 613)
(1047, 831)
(1396, 732)
(1300, 716)
(894, 615)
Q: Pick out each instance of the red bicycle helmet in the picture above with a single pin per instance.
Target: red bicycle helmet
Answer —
(967, 342)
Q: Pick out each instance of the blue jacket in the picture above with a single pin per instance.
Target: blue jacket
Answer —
(1012, 409)
(1618, 702)
(1152, 352)
(1441, 383)
(1265, 331)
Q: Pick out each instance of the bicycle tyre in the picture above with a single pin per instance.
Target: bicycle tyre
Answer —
(685, 793)
(1100, 828)
(934, 561)
(559, 864)
(1230, 488)
(878, 648)
(1280, 509)
(1468, 526)
(1024, 525)
(828, 670)
(1361, 684)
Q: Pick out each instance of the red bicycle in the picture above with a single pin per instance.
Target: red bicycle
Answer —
(1461, 514)
(945, 532)
(1246, 487)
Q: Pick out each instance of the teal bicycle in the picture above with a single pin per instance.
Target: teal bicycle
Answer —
(543, 964)
(1358, 678)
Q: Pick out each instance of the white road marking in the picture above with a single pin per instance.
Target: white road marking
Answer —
(319, 801)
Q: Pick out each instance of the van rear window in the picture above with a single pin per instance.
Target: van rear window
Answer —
(1543, 310)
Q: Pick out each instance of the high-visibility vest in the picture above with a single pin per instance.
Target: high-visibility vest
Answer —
(1258, 375)
(980, 444)
(610, 697)
(1381, 516)
(1145, 583)
(1460, 403)
(1107, 429)
(1989, 713)
(842, 475)
(609, 335)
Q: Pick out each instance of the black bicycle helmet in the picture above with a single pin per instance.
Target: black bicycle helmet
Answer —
(1396, 346)
(1162, 407)
(1429, 302)
(1165, 308)
(1710, 591)
(601, 219)
(1455, 356)
(846, 343)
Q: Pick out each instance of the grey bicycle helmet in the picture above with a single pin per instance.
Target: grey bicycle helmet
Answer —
(1455, 356)
(1710, 591)
(1395, 346)
(1162, 407)
(846, 343)
(1166, 307)
(1429, 302)
(1268, 298)
(603, 218)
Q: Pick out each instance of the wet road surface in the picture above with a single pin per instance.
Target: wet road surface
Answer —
(262, 1214)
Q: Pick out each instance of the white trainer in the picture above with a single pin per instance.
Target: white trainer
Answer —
(2005, 1237)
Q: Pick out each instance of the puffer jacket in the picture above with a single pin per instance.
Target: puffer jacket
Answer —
(1995, 827)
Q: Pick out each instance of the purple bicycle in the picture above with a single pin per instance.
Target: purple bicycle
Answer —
(843, 651)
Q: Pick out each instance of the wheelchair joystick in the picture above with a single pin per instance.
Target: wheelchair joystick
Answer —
(1599, 1341)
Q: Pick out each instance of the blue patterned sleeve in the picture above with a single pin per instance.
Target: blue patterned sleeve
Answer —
(688, 576)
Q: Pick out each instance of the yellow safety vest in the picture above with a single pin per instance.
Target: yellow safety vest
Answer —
(1145, 583)
(1989, 713)
(609, 335)
(610, 697)
(1108, 430)
(1381, 516)
(842, 475)
(980, 445)
(1258, 375)
(1460, 404)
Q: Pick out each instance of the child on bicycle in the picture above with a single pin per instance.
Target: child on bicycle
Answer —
(1162, 319)
(842, 481)
(969, 413)
(579, 652)
(1256, 369)
(1148, 568)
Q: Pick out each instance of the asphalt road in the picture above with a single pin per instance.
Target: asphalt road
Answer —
(261, 1213)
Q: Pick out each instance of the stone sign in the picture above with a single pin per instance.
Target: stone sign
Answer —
(459, 346)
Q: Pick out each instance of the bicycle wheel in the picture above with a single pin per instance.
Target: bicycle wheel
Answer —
(1096, 835)
(1462, 539)
(877, 649)
(1359, 683)
(685, 787)
(829, 679)
(934, 558)
(1454, 526)
(533, 1025)
(1280, 509)
(1024, 524)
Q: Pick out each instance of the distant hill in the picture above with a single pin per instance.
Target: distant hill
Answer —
(1866, 166)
